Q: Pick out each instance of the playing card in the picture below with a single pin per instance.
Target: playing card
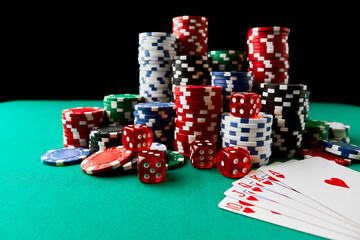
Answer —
(333, 186)
(278, 218)
(263, 195)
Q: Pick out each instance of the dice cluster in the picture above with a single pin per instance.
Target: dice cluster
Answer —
(245, 144)
(232, 162)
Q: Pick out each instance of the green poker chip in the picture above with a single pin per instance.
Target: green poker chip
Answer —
(174, 159)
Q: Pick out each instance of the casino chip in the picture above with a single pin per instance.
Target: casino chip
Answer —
(286, 102)
(338, 132)
(231, 82)
(77, 124)
(314, 133)
(174, 159)
(342, 149)
(119, 108)
(253, 134)
(268, 54)
(159, 116)
(64, 156)
(191, 35)
(228, 60)
(155, 51)
(106, 160)
(105, 137)
(190, 70)
(198, 110)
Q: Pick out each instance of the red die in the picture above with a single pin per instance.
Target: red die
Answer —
(233, 162)
(245, 105)
(151, 166)
(203, 154)
(137, 137)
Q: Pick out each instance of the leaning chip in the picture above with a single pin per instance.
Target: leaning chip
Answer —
(64, 156)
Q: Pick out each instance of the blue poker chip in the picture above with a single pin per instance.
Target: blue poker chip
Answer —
(163, 121)
(64, 156)
(232, 82)
(342, 147)
(155, 106)
(157, 116)
(232, 78)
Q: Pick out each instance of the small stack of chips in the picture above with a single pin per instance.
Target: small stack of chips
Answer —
(314, 133)
(105, 137)
(77, 124)
(198, 110)
(119, 108)
(338, 132)
(268, 54)
(253, 134)
(286, 103)
(228, 60)
(155, 51)
(191, 35)
(159, 116)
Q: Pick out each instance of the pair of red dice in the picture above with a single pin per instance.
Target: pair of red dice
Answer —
(232, 162)
(151, 164)
(245, 105)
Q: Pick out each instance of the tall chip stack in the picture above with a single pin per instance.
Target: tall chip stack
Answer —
(198, 111)
(287, 103)
(268, 54)
(191, 35)
(155, 51)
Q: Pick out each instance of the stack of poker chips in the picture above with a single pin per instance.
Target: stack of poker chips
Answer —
(338, 132)
(342, 149)
(268, 54)
(314, 133)
(105, 137)
(191, 35)
(198, 110)
(232, 82)
(119, 108)
(191, 70)
(286, 103)
(228, 60)
(159, 116)
(253, 134)
(77, 124)
(155, 51)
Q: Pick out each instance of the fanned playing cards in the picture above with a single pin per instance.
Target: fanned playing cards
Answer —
(313, 195)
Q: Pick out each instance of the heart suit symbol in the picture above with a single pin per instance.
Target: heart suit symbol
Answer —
(336, 182)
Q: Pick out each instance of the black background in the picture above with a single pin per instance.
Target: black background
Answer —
(88, 51)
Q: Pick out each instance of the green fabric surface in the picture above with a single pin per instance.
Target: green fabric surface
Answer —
(45, 202)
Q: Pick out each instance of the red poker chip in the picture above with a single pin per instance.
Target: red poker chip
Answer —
(266, 71)
(199, 89)
(257, 54)
(272, 58)
(184, 93)
(199, 107)
(189, 124)
(198, 111)
(197, 132)
(189, 18)
(268, 38)
(81, 122)
(318, 152)
(190, 138)
(182, 103)
(83, 111)
(106, 160)
(75, 135)
(270, 29)
(198, 118)
(197, 98)
(270, 65)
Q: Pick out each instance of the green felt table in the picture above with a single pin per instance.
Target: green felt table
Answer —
(45, 202)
